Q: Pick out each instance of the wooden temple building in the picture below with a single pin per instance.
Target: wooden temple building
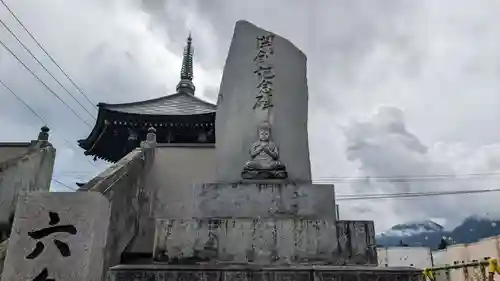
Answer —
(178, 118)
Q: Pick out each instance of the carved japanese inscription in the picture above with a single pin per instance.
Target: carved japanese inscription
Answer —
(63, 247)
(58, 236)
(264, 71)
(264, 153)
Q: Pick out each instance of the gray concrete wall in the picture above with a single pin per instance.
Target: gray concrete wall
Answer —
(174, 172)
(265, 241)
(237, 121)
(32, 171)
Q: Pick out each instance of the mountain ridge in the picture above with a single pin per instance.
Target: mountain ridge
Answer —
(429, 233)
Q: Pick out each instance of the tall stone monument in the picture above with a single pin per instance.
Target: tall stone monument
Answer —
(263, 94)
(262, 219)
(264, 208)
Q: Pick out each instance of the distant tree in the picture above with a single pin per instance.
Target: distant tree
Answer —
(443, 244)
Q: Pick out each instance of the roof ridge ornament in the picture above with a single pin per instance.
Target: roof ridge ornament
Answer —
(186, 84)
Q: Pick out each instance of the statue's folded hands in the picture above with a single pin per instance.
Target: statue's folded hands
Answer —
(265, 157)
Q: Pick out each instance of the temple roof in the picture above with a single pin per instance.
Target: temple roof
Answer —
(178, 118)
(176, 104)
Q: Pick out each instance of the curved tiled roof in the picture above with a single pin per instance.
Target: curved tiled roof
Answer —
(176, 104)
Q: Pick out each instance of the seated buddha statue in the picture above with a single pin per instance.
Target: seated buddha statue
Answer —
(264, 162)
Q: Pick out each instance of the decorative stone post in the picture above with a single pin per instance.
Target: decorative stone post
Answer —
(44, 133)
(150, 139)
(151, 136)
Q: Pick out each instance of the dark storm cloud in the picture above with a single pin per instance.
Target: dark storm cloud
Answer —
(435, 61)
(382, 146)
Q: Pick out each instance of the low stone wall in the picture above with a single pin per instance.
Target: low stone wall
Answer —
(121, 188)
(123, 185)
(10, 150)
(259, 273)
(28, 172)
(24, 167)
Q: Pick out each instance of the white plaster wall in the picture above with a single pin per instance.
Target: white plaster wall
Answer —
(418, 257)
(467, 253)
(174, 172)
(439, 257)
(483, 249)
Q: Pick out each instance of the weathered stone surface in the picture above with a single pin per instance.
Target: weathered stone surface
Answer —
(3, 253)
(220, 272)
(28, 172)
(171, 178)
(131, 226)
(59, 235)
(237, 121)
(264, 200)
(356, 240)
(264, 241)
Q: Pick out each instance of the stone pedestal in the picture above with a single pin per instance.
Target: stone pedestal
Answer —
(264, 222)
(260, 273)
(265, 241)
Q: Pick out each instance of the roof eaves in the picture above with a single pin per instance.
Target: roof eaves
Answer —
(107, 105)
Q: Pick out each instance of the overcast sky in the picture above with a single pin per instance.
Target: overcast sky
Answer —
(396, 88)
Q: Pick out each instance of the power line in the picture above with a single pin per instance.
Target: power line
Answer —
(46, 53)
(76, 173)
(43, 66)
(45, 85)
(412, 176)
(411, 194)
(68, 144)
(406, 178)
(58, 66)
(23, 102)
(63, 184)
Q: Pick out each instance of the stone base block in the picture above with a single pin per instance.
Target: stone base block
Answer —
(265, 241)
(264, 199)
(259, 273)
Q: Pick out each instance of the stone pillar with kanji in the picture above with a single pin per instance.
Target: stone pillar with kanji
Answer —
(58, 236)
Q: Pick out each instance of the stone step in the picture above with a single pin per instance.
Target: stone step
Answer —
(221, 272)
(264, 199)
(289, 240)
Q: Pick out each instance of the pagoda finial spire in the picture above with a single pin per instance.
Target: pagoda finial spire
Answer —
(186, 84)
